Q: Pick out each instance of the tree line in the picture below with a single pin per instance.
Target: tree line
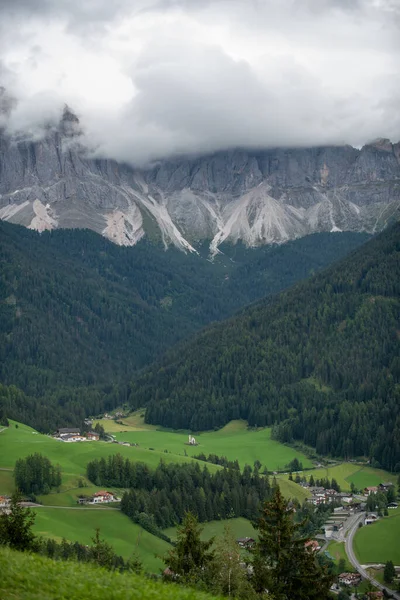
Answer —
(163, 496)
(36, 475)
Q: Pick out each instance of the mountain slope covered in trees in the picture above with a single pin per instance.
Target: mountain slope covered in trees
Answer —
(320, 362)
(76, 310)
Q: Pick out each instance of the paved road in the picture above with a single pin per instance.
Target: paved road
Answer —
(352, 558)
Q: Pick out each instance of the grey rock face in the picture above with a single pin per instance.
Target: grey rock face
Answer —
(258, 197)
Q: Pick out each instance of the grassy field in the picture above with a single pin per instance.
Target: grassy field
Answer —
(337, 551)
(290, 489)
(240, 528)
(346, 473)
(116, 528)
(6, 482)
(379, 542)
(19, 442)
(235, 441)
(32, 577)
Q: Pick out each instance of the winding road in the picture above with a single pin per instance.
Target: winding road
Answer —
(352, 558)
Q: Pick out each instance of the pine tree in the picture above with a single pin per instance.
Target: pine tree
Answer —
(389, 572)
(191, 558)
(16, 526)
(282, 565)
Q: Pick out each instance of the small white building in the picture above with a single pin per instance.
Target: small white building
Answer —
(192, 441)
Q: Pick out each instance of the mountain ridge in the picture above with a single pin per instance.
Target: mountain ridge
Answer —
(257, 197)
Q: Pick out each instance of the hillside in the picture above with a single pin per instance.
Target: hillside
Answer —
(321, 360)
(32, 577)
(78, 311)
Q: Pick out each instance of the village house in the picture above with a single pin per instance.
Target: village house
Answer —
(352, 579)
(370, 519)
(393, 505)
(92, 436)
(370, 490)
(312, 546)
(102, 497)
(246, 542)
(383, 487)
(73, 437)
(68, 431)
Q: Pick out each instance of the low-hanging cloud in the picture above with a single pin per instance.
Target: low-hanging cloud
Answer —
(176, 77)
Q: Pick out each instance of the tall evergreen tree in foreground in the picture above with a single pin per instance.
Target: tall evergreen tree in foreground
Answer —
(282, 565)
(191, 558)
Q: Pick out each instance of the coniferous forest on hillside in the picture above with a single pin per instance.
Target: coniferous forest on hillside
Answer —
(80, 315)
(320, 363)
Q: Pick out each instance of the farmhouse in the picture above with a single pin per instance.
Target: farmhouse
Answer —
(370, 490)
(68, 431)
(350, 578)
(92, 436)
(393, 505)
(72, 437)
(103, 497)
(383, 487)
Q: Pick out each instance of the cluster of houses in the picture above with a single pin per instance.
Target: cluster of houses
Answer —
(102, 497)
(382, 487)
(73, 434)
(320, 495)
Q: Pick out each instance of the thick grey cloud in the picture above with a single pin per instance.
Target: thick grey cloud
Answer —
(186, 76)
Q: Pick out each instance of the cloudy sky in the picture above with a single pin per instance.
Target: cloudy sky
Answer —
(151, 78)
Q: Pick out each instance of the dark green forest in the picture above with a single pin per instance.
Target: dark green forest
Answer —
(320, 363)
(170, 491)
(79, 315)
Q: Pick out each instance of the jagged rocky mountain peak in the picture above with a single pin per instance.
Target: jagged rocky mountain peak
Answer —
(258, 197)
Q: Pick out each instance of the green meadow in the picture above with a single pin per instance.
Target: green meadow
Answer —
(337, 551)
(116, 528)
(347, 473)
(240, 528)
(379, 542)
(18, 442)
(235, 441)
(6, 482)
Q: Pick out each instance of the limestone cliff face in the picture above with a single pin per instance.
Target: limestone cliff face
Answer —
(258, 197)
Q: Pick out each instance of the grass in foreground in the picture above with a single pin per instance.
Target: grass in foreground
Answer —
(116, 528)
(379, 542)
(32, 577)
